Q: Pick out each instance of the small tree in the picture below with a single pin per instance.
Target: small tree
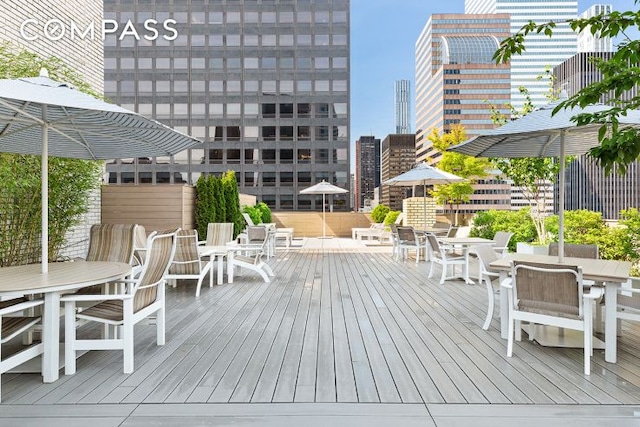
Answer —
(232, 201)
(205, 210)
(532, 175)
(458, 164)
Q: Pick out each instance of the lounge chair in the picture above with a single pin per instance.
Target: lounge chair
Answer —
(251, 254)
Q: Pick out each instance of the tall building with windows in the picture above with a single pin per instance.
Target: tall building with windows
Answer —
(587, 185)
(542, 52)
(265, 86)
(367, 177)
(403, 106)
(588, 42)
(398, 156)
(456, 79)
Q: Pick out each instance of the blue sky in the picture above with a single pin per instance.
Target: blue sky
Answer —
(383, 35)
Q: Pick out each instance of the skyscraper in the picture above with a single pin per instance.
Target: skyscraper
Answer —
(367, 177)
(403, 106)
(398, 156)
(542, 52)
(265, 86)
(588, 42)
(587, 185)
(456, 78)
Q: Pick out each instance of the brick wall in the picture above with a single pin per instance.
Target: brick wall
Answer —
(84, 55)
(414, 209)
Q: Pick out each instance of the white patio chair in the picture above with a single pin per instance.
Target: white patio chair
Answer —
(501, 242)
(408, 240)
(486, 255)
(250, 255)
(142, 297)
(16, 319)
(445, 256)
(187, 263)
(550, 294)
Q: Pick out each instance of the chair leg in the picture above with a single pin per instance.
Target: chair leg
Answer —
(127, 345)
(160, 326)
(490, 303)
(268, 270)
(431, 269)
(588, 335)
(200, 279)
(443, 276)
(69, 337)
(510, 337)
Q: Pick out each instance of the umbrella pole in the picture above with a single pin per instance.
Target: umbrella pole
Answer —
(45, 192)
(424, 204)
(561, 202)
(324, 224)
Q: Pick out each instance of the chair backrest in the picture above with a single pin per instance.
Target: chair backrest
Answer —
(111, 242)
(433, 243)
(219, 233)
(453, 230)
(186, 259)
(400, 219)
(486, 255)
(248, 219)
(550, 289)
(572, 250)
(406, 235)
(160, 252)
(256, 234)
(501, 238)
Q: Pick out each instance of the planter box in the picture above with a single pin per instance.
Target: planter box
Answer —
(528, 248)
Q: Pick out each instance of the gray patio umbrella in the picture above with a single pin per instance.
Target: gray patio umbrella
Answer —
(541, 134)
(42, 116)
(323, 188)
(423, 174)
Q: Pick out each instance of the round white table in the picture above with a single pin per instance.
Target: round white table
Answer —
(62, 277)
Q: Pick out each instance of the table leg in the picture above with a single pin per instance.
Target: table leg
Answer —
(465, 268)
(504, 307)
(610, 322)
(220, 267)
(230, 267)
(51, 337)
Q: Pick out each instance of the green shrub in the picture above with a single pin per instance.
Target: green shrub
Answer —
(265, 212)
(254, 213)
(379, 213)
(205, 207)
(487, 224)
(391, 217)
(232, 202)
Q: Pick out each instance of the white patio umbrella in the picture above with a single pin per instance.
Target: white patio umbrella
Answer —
(42, 116)
(323, 188)
(541, 134)
(423, 174)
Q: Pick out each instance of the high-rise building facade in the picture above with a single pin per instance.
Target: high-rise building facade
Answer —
(367, 176)
(542, 52)
(456, 78)
(588, 42)
(403, 106)
(265, 86)
(587, 185)
(398, 156)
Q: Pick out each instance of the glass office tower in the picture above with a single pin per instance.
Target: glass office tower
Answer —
(263, 83)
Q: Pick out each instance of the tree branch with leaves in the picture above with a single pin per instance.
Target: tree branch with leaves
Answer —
(619, 144)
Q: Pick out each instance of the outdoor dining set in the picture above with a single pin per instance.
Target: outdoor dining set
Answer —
(120, 283)
(567, 293)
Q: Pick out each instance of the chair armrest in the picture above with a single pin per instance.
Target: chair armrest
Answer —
(507, 283)
(21, 306)
(595, 292)
(96, 297)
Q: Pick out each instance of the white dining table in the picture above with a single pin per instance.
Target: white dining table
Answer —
(219, 253)
(465, 243)
(609, 272)
(62, 277)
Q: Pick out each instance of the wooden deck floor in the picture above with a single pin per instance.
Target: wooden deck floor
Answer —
(337, 326)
